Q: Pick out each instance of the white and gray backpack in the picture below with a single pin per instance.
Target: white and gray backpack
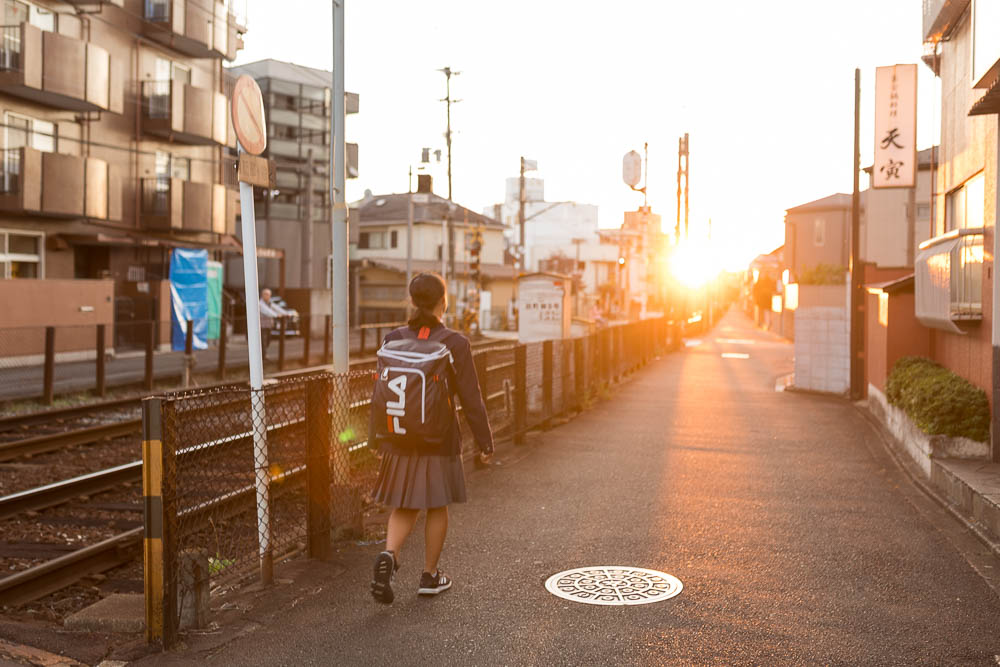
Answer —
(411, 404)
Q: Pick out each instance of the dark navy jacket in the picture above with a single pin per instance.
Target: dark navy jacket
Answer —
(465, 385)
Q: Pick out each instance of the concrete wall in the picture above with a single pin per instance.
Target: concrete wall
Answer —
(822, 361)
(73, 306)
(801, 250)
(891, 333)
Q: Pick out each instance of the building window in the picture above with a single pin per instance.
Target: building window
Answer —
(965, 206)
(393, 239)
(923, 212)
(372, 240)
(21, 131)
(21, 254)
(819, 232)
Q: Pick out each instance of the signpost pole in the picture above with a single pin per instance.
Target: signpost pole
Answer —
(249, 228)
(248, 121)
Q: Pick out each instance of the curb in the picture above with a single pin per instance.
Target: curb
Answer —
(891, 447)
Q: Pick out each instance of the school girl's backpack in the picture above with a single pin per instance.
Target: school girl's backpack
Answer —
(411, 403)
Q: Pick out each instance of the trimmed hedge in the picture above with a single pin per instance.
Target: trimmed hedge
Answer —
(937, 400)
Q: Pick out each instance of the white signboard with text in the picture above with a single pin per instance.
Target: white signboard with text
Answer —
(543, 307)
(895, 163)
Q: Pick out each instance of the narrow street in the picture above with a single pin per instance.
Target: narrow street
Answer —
(795, 536)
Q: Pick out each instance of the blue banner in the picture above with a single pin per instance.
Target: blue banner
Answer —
(188, 296)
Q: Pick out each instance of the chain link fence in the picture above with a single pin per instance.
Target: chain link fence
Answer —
(235, 480)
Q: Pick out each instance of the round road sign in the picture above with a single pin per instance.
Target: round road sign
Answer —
(631, 169)
(248, 115)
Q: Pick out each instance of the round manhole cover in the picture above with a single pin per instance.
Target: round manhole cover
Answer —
(614, 585)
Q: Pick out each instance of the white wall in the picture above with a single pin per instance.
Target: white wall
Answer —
(885, 220)
(426, 239)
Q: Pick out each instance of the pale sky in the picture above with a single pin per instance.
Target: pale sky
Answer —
(765, 90)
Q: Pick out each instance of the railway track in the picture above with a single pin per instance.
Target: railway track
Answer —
(52, 575)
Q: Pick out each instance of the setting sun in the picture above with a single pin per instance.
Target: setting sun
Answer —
(693, 263)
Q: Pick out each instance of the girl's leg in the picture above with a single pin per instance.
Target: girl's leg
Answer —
(401, 522)
(434, 534)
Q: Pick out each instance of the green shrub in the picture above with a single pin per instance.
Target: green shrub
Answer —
(823, 274)
(937, 400)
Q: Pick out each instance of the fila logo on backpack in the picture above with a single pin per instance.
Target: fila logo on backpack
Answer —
(411, 403)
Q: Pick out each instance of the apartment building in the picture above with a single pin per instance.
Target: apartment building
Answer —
(115, 135)
(297, 110)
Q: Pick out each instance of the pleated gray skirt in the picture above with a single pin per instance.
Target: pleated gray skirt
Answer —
(420, 482)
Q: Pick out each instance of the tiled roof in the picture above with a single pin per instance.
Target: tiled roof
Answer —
(426, 208)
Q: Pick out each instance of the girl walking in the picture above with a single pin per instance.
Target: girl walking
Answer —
(421, 466)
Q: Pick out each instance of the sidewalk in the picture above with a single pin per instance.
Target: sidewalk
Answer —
(795, 537)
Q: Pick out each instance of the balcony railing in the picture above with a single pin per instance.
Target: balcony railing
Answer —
(197, 28)
(58, 70)
(10, 177)
(156, 196)
(181, 112)
(39, 183)
(949, 279)
(10, 48)
(175, 205)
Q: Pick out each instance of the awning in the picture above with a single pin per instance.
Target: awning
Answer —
(932, 281)
(988, 103)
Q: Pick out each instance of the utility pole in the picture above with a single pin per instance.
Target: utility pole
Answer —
(687, 182)
(645, 178)
(448, 73)
(307, 230)
(682, 175)
(520, 216)
(857, 280)
(409, 234)
(339, 231)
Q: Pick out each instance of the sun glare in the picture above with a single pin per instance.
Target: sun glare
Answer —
(693, 264)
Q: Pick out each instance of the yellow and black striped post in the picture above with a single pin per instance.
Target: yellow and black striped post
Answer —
(154, 570)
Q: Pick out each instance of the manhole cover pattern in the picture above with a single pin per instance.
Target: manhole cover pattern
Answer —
(614, 585)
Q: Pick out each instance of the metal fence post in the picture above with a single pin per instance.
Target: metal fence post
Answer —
(327, 332)
(147, 380)
(281, 343)
(547, 379)
(223, 340)
(101, 382)
(318, 443)
(159, 584)
(188, 354)
(605, 345)
(49, 370)
(564, 404)
(520, 392)
(361, 332)
(578, 371)
(306, 332)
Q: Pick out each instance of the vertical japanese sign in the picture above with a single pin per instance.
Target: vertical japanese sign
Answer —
(895, 127)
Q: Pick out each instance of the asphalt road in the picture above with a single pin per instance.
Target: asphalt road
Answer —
(796, 538)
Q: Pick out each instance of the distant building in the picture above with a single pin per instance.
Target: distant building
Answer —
(378, 255)
(297, 113)
(562, 237)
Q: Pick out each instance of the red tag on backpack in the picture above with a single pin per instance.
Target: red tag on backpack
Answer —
(424, 333)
